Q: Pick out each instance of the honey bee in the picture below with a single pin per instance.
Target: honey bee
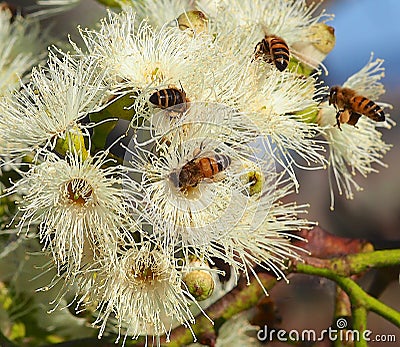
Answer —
(273, 49)
(351, 106)
(198, 169)
(172, 97)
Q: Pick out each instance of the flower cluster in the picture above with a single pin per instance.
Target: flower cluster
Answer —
(168, 140)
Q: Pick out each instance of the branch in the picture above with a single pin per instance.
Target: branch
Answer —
(342, 311)
(244, 297)
(360, 324)
(353, 264)
(358, 297)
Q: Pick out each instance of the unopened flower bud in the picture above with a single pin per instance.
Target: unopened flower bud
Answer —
(73, 142)
(309, 115)
(320, 42)
(194, 20)
(200, 283)
(254, 181)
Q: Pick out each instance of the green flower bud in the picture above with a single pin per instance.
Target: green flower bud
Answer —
(72, 142)
(309, 115)
(254, 180)
(194, 20)
(113, 3)
(319, 43)
(200, 284)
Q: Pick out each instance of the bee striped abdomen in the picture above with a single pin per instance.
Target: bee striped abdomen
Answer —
(350, 106)
(280, 52)
(169, 97)
(198, 169)
(211, 166)
(223, 161)
(275, 50)
(368, 108)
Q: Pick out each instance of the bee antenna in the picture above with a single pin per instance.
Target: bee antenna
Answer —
(323, 99)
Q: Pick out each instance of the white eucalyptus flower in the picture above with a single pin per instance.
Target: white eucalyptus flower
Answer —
(263, 236)
(50, 106)
(160, 12)
(141, 59)
(357, 149)
(239, 25)
(76, 204)
(293, 21)
(21, 47)
(142, 292)
(276, 106)
(192, 185)
(215, 217)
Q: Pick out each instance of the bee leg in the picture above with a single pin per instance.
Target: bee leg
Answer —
(354, 117)
(338, 119)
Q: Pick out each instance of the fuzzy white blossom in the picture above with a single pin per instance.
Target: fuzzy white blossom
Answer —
(142, 59)
(77, 205)
(151, 153)
(293, 21)
(21, 47)
(50, 106)
(143, 294)
(217, 217)
(263, 237)
(357, 149)
(278, 106)
(198, 211)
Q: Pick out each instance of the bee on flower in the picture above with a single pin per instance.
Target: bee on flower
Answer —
(151, 62)
(282, 29)
(355, 147)
(213, 106)
(191, 185)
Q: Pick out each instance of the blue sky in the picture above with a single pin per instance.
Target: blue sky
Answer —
(362, 26)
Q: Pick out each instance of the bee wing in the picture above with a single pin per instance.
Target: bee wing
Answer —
(354, 117)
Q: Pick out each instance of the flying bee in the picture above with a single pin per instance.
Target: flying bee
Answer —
(172, 98)
(350, 106)
(196, 170)
(273, 49)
